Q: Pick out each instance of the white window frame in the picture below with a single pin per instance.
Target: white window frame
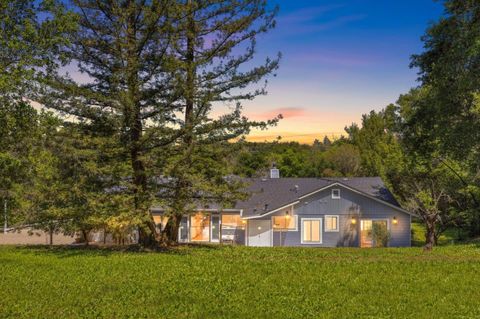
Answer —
(285, 229)
(338, 224)
(336, 196)
(320, 230)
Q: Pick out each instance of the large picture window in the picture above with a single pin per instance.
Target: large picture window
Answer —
(311, 231)
(284, 222)
(200, 227)
(331, 223)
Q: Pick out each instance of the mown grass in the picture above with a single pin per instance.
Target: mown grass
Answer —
(240, 282)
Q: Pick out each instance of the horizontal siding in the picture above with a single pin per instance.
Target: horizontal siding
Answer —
(350, 204)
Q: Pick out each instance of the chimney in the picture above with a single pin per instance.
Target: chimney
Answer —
(274, 172)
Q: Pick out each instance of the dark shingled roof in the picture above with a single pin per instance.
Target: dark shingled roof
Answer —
(268, 194)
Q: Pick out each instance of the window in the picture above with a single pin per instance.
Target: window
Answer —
(183, 231)
(331, 223)
(215, 220)
(232, 221)
(284, 222)
(200, 227)
(311, 231)
(233, 228)
(335, 193)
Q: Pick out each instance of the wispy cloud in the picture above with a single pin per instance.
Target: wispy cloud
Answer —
(307, 14)
(315, 19)
(307, 27)
(286, 112)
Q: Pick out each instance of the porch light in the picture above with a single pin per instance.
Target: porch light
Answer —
(354, 220)
(287, 215)
(395, 221)
(244, 221)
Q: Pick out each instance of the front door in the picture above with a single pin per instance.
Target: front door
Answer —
(373, 233)
(260, 233)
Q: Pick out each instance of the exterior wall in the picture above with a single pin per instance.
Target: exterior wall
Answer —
(33, 237)
(349, 205)
(235, 236)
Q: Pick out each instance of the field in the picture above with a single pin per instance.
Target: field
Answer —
(240, 282)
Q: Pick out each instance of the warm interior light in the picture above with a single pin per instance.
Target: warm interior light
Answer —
(395, 221)
(354, 221)
(244, 221)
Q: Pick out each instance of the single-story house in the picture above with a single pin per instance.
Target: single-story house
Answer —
(313, 212)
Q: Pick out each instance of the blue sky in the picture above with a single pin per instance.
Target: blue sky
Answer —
(341, 59)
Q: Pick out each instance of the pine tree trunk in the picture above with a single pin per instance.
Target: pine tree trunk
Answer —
(170, 233)
(134, 122)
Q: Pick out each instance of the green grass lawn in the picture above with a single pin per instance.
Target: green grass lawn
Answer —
(240, 282)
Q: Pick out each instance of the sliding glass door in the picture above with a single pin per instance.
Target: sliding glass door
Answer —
(374, 233)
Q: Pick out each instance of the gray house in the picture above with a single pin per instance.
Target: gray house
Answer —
(310, 212)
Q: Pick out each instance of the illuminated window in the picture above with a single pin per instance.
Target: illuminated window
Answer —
(284, 222)
(233, 228)
(335, 193)
(232, 221)
(200, 227)
(331, 223)
(311, 231)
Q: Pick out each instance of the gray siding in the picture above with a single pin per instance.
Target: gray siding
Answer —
(350, 204)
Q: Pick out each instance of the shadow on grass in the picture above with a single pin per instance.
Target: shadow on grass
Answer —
(65, 251)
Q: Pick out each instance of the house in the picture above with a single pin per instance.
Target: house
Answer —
(313, 212)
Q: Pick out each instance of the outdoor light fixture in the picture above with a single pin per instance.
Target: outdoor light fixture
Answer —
(244, 221)
(354, 220)
(395, 221)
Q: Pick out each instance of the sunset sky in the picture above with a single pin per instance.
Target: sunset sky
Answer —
(341, 59)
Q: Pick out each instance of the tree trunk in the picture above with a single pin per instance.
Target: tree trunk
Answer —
(85, 236)
(430, 234)
(170, 233)
(51, 236)
(134, 122)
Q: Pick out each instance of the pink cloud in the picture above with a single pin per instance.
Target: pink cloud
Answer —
(286, 112)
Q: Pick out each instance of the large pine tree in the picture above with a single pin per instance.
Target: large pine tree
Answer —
(123, 48)
(156, 69)
(214, 48)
